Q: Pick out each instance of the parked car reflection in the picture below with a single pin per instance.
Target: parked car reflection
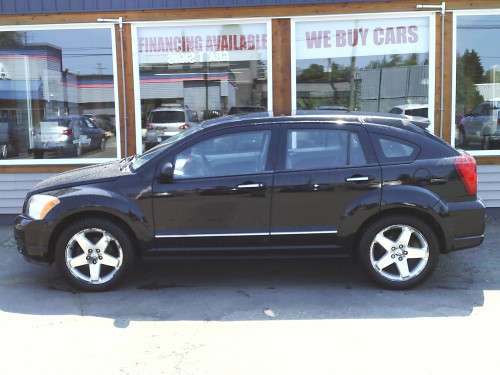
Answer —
(68, 136)
(480, 126)
(9, 137)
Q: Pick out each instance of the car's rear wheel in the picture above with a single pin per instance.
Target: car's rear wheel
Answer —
(94, 254)
(398, 252)
(485, 144)
(4, 151)
(102, 143)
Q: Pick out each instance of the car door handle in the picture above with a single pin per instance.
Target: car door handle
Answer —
(358, 179)
(250, 186)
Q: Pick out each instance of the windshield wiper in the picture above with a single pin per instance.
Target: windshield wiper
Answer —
(125, 162)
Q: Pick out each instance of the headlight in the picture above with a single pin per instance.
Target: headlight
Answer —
(39, 205)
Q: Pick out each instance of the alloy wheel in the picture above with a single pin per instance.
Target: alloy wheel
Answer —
(93, 256)
(399, 253)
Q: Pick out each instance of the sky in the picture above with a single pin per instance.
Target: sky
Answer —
(481, 34)
(87, 51)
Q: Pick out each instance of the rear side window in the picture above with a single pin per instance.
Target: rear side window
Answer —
(394, 150)
(322, 149)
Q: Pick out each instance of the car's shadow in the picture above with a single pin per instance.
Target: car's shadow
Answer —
(243, 289)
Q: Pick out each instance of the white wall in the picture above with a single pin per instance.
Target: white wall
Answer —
(14, 186)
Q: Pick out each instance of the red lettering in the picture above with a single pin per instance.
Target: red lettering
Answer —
(401, 34)
(177, 44)
(169, 46)
(378, 36)
(197, 44)
(413, 36)
(152, 44)
(390, 36)
(313, 39)
(340, 38)
(352, 37)
(363, 33)
(251, 42)
(243, 42)
(161, 44)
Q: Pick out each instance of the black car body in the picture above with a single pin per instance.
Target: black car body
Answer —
(371, 185)
(67, 136)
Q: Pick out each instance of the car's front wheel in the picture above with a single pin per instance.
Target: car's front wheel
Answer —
(94, 254)
(102, 143)
(398, 252)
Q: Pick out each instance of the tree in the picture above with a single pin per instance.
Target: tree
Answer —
(314, 72)
(470, 72)
(11, 39)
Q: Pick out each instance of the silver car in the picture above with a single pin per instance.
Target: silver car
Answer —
(67, 136)
(167, 121)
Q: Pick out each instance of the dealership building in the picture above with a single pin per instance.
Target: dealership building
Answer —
(115, 62)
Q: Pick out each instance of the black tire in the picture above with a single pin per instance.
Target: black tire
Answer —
(485, 144)
(4, 150)
(78, 150)
(101, 265)
(38, 154)
(408, 257)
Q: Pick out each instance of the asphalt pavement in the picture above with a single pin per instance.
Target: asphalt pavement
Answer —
(253, 317)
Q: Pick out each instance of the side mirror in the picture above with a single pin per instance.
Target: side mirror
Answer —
(166, 173)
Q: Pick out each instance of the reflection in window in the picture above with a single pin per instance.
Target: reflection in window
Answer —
(232, 154)
(211, 70)
(375, 65)
(394, 150)
(57, 94)
(477, 106)
(320, 149)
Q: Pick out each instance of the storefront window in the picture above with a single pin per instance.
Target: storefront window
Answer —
(189, 73)
(57, 96)
(477, 86)
(365, 64)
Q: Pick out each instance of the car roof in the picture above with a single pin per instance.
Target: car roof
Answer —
(171, 108)
(411, 106)
(353, 117)
(62, 117)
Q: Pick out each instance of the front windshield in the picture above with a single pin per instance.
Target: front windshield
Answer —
(150, 154)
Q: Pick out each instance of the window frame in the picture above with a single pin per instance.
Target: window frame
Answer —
(114, 57)
(456, 14)
(135, 26)
(431, 16)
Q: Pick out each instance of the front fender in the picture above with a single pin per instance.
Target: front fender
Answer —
(84, 201)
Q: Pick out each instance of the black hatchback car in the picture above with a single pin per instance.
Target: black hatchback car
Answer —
(378, 187)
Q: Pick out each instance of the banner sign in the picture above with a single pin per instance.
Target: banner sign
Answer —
(361, 37)
(195, 44)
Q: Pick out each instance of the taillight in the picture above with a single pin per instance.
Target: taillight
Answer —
(466, 168)
(67, 132)
(150, 127)
(184, 127)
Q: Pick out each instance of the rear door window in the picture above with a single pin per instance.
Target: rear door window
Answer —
(323, 149)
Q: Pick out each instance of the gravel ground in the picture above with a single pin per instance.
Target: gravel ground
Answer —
(253, 317)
